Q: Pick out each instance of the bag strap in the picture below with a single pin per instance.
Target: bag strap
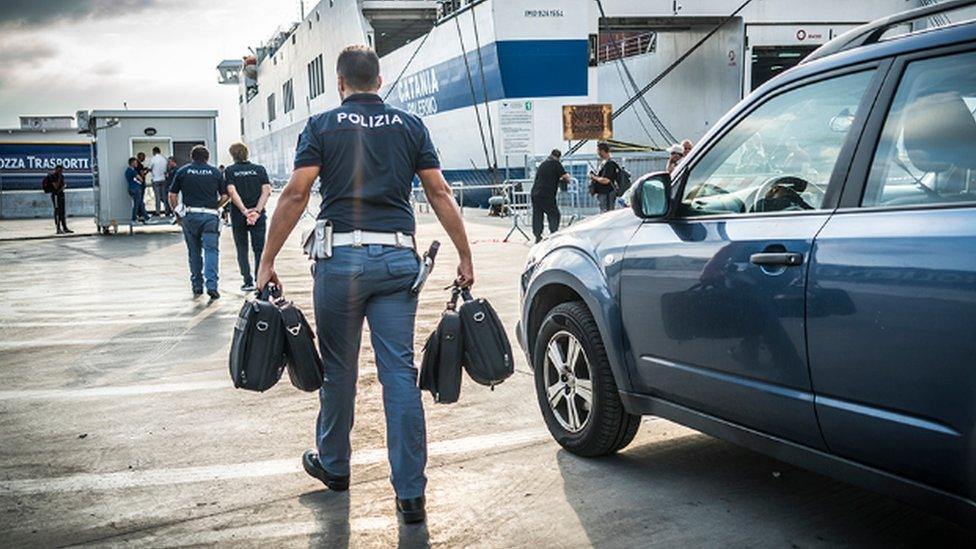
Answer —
(291, 320)
(452, 303)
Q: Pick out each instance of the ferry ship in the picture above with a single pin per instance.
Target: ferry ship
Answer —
(466, 65)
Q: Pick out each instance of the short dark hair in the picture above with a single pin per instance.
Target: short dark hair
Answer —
(359, 66)
(603, 146)
(131, 160)
(556, 153)
(199, 153)
(156, 150)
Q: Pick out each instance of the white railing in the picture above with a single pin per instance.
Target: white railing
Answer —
(637, 44)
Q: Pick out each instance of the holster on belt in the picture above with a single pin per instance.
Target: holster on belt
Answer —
(317, 242)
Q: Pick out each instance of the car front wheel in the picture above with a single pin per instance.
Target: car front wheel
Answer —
(575, 386)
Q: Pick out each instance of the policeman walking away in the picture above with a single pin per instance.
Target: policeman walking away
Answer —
(249, 189)
(204, 192)
(366, 154)
(549, 177)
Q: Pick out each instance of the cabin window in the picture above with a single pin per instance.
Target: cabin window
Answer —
(316, 78)
(288, 96)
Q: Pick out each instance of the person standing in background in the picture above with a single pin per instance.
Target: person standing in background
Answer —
(686, 146)
(157, 173)
(675, 154)
(548, 178)
(249, 189)
(144, 176)
(604, 183)
(137, 188)
(54, 183)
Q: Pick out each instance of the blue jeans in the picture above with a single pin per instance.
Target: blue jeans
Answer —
(202, 234)
(138, 202)
(371, 282)
(241, 233)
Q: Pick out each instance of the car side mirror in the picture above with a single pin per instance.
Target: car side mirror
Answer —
(652, 196)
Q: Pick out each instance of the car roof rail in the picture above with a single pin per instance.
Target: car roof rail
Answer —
(873, 31)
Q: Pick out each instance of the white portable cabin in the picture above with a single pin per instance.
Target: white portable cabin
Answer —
(120, 135)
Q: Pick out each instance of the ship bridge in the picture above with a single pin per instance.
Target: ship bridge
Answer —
(398, 22)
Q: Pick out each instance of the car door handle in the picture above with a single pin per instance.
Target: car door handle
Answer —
(780, 259)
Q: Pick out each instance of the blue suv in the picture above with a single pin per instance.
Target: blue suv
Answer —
(803, 284)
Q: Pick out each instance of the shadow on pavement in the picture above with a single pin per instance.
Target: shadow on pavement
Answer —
(412, 536)
(700, 491)
(331, 512)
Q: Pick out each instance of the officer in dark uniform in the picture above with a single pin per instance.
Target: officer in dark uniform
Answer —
(204, 193)
(550, 176)
(249, 189)
(367, 154)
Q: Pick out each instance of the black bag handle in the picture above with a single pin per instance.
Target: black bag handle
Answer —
(270, 290)
(452, 303)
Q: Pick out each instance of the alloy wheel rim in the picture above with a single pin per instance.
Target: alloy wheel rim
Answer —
(568, 381)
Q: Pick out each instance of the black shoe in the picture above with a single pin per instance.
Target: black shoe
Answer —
(60, 231)
(69, 231)
(310, 461)
(248, 287)
(412, 509)
(214, 294)
(197, 291)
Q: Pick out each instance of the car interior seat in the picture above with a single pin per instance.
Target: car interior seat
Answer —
(939, 138)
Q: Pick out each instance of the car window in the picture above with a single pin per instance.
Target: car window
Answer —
(927, 150)
(781, 155)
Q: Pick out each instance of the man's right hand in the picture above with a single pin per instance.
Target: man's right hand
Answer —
(266, 273)
(465, 273)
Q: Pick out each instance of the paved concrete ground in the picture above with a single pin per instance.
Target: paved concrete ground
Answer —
(119, 426)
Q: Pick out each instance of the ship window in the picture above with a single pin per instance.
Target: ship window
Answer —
(242, 127)
(316, 80)
(271, 108)
(316, 16)
(288, 96)
(293, 38)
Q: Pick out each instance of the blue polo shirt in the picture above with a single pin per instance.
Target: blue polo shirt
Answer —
(201, 185)
(132, 179)
(368, 153)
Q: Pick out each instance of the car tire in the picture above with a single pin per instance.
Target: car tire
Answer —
(605, 426)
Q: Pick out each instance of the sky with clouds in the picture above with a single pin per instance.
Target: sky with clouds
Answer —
(61, 56)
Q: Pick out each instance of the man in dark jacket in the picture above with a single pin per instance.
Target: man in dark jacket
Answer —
(54, 183)
(549, 177)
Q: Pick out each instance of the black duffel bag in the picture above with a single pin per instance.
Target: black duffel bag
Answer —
(440, 369)
(301, 356)
(487, 352)
(257, 350)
